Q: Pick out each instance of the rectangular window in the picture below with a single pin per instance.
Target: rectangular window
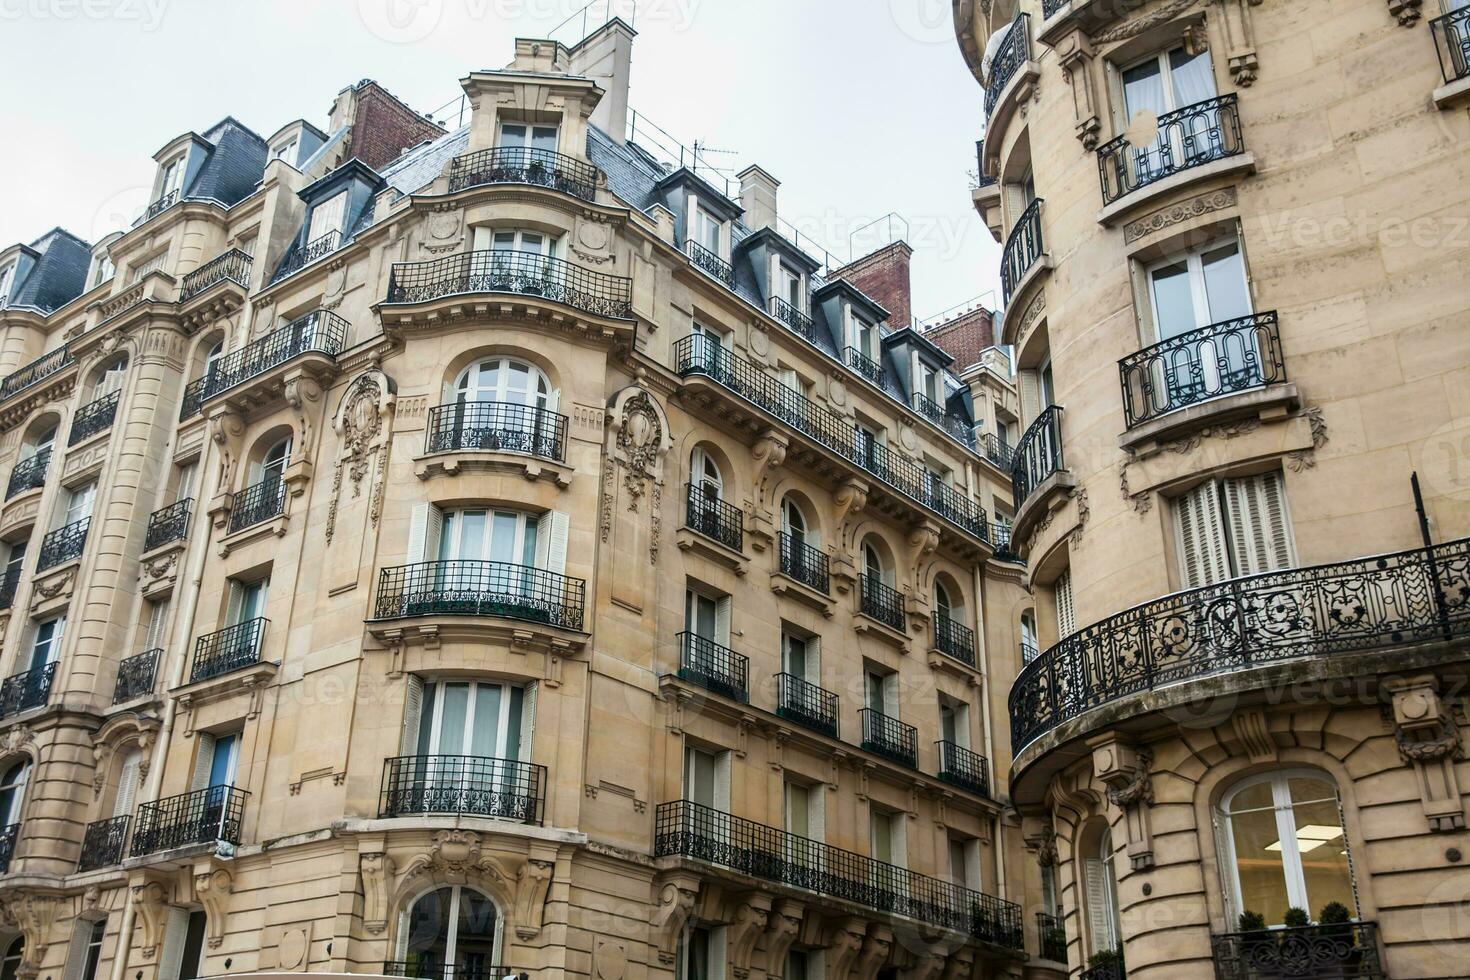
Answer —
(79, 502)
(707, 616)
(886, 836)
(102, 270)
(173, 177)
(788, 286)
(880, 691)
(1228, 528)
(521, 135)
(707, 778)
(157, 620)
(327, 217)
(962, 861)
(799, 656)
(1199, 288)
(185, 474)
(285, 151)
(151, 264)
(699, 955)
(92, 952)
(954, 721)
(46, 645)
(1066, 618)
(464, 718)
(6, 275)
(708, 231)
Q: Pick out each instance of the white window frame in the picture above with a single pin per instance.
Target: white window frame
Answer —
(328, 216)
(493, 239)
(1194, 261)
(287, 151)
(431, 734)
(451, 941)
(528, 136)
(171, 175)
(7, 277)
(470, 386)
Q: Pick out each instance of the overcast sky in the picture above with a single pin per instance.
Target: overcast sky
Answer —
(859, 107)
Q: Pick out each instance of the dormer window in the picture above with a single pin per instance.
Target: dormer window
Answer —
(173, 177)
(7, 274)
(864, 336)
(286, 151)
(788, 287)
(538, 139)
(927, 383)
(708, 231)
(327, 218)
(102, 270)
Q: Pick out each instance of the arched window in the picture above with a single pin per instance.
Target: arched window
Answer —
(40, 439)
(272, 465)
(1100, 892)
(1284, 835)
(501, 379)
(943, 606)
(111, 379)
(705, 474)
(449, 932)
(10, 965)
(873, 563)
(13, 791)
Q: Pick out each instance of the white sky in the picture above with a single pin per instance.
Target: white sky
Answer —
(859, 107)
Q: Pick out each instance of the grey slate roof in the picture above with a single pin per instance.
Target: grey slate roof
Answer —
(233, 165)
(59, 274)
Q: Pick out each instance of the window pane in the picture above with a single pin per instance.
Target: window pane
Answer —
(1173, 300)
(1324, 853)
(503, 542)
(1143, 88)
(1193, 78)
(1225, 284)
(428, 931)
(474, 939)
(1258, 863)
(472, 535)
(453, 719)
(483, 741)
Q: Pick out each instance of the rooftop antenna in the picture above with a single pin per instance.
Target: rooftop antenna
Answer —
(701, 149)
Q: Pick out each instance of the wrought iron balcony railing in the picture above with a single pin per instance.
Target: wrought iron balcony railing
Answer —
(63, 544)
(317, 332)
(889, 737)
(1452, 40)
(8, 836)
(1023, 248)
(26, 690)
(524, 165)
(257, 503)
(93, 417)
(690, 830)
(1338, 950)
(206, 816)
(960, 767)
(9, 583)
(1221, 359)
(806, 704)
(882, 602)
(1050, 8)
(161, 205)
(518, 273)
(698, 355)
(1294, 614)
(714, 518)
(232, 648)
(980, 179)
(429, 967)
(481, 588)
(105, 843)
(193, 402)
(1189, 137)
(506, 789)
(1111, 969)
(1052, 937)
(863, 365)
(1038, 454)
(35, 372)
(1013, 52)
(951, 424)
(1028, 652)
(135, 675)
(715, 668)
(798, 321)
(233, 265)
(301, 256)
(1000, 533)
(169, 524)
(995, 449)
(806, 564)
(954, 639)
(710, 263)
(502, 427)
(29, 474)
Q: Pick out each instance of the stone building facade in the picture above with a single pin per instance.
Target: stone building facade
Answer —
(1233, 263)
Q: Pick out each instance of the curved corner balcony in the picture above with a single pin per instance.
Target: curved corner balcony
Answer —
(94, 417)
(501, 271)
(477, 786)
(1038, 456)
(524, 165)
(497, 427)
(1013, 72)
(318, 333)
(1025, 251)
(480, 588)
(1204, 137)
(35, 372)
(1368, 604)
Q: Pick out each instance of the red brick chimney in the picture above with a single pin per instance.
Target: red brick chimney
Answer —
(884, 276)
(382, 126)
(964, 337)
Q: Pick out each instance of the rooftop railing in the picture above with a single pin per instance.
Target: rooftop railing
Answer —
(502, 427)
(480, 588)
(1221, 359)
(206, 816)
(35, 372)
(1038, 454)
(161, 205)
(1189, 137)
(232, 648)
(713, 667)
(524, 165)
(318, 332)
(1023, 248)
(94, 417)
(233, 265)
(505, 789)
(863, 365)
(798, 321)
(517, 273)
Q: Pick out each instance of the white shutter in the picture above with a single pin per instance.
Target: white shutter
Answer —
(127, 783)
(814, 660)
(413, 708)
(173, 943)
(327, 217)
(203, 761)
(551, 541)
(722, 782)
(722, 621)
(1099, 909)
(424, 530)
(528, 721)
(817, 812)
(157, 622)
(236, 602)
(1066, 617)
(185, 487)
(1200, 534)
(1030, 395)
(1259, 529)
(890, 695)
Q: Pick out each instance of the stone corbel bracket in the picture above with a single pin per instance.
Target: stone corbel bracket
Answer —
(748, 923)
(677, 893)
(769, 453)
(1125, 770)
(33, 914)
(212, 889)
(844, 943)
(533, 881)
(1408, 12)
(782, 928)
(1074, 56)
(150, 899)
(877, 947)
(1240, 41)
(377, 876)
(1429, 740)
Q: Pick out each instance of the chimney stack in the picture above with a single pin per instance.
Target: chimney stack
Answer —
(884, 276)
(606, 57)
(758, 197)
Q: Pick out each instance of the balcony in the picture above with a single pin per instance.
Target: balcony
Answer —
(232, 266)
(709, 263)
(499, 427)
(105, 843)
(299, 257)
(798, 321)
(958, 766)
(1376, 603)
(689, 830)
(231, 649)
(715, 668)
(135, 676)
(8, 836)
(1339, 950)
(1106, 967)
(712, 517)
(94, 417)
(193, 402)
(1451, 35)
(480, 588)
(477, 786)
(318, 332)
(996, 450)
(806, 704)
(1001, 535)
(35, 372)
(26, 690)
(169, 524)
(881, 602)
(956, 427)
(63, 544)
(805, 564)
(515, 273)
(981, 180)
(159, 206)
(524, 165)
(9, 583)
(428, 967)
(1010, 69)
(863, 365)
(1038, 455)
(1024, 251)
(1189, 139)
(1052, 937)
(954, 639)
(29, 474)
(889, 737)
(210, 816)
(258, 503)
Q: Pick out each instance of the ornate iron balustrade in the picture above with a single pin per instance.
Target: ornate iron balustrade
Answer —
(690, 830)
(169, 524)
(806, 704)
(135, 675)
(1189, 137)
(714, 518)
(518, 273)
(504, 427)
(882, 602)
(1452, 41)
(8, 586)
(1050, 8)
(1000, 533)
(317, 332)
(1345, 950)
(1023, 248)
(480, 588)
(1294, 614)
(954, 639)
(480, 786)
(93, 417)
(953, 425)
(233, 265)
(63, 544)
(806, 564)
(1028, 652)
(1013, 52)
(193, 402)
(1038, 454)
(698, 355)
(798, 321)
(28, 474)
(960, 767)
(8, 835)
(232, 648)
(105, 843)
(428, 967)
(301, 256)
(980, 179)
(709, 263)
(1106, 970)
(35, 372)
(1052, 937)
(206, 816)
(1221, 359)
(524, 165)
(159, 206)
(26, 690)
(889, 737)
(863, 365)
(257, 503)
(993, 448)
(715, 668)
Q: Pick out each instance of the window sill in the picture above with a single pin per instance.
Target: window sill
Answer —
(865, 625)
(1453, 94)
(250, 680)
(941, 661)
(452, 462)
(432, 631)
(688, 540)
(1150, 196)
(1270, 402)
(787, 587)
(1021, 295)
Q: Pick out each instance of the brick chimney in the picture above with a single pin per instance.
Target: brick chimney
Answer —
(884, 276)
(758, 197)
(965, 336)
(382, 126)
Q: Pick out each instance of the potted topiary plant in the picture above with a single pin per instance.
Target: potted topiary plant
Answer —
(1105, 964)
(1257, 944)
(1297, 918)
(1336, 929)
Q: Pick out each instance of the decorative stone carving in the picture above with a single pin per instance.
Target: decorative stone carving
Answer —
(1032, 313)
(1176, 214)
(1074, 56)
(1125, 770)
(876, 948)
(150, 899)
(640, 443)
(748, 926)
(843, 944)
(1429, 740)
(959, 965)
(1147, 22)
(16, 739)
(782, 928)
(226, 429)
(33, 915)
(1254, 733)
(377, 872)
(443, 231)
(212, 889)
(302, 393)
(1407, 12)
(675, 902)
(362, 425)
(532, 884)
(1306, 459)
